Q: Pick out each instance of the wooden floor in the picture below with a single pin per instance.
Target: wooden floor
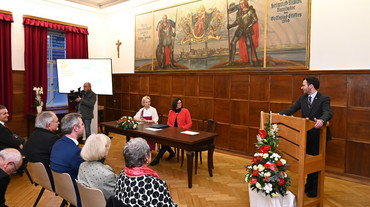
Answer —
(225, 189)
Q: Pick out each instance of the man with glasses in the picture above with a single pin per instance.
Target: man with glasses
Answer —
(41, 141)
(65, 154)
(10, 161)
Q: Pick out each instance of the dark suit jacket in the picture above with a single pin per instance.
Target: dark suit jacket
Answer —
(4, 181)
(7, 140)
(86, 105)
(320, 109)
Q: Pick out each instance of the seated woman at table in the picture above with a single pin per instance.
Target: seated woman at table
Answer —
(93, 172)
(147, 114)
(138, 185)
(177, 117)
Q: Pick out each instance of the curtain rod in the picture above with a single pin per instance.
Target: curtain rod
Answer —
(54, 21)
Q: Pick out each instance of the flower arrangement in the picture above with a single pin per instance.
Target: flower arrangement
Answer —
(38, 101)
(126, 122)
(267, 173)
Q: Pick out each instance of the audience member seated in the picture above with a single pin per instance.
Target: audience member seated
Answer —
(39, 144)
(138, 185)
(147, 114)
(10, 161)
(93, 172)
(177, 117)
(65, 155)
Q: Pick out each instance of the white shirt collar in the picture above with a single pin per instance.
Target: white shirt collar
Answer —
(2, 123)
(75, 141)
(313, 96)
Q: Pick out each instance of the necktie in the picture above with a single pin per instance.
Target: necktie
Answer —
(309, 102)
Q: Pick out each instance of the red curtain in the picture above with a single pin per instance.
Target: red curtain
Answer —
(35, 62)
(6, 78)
(36, 53)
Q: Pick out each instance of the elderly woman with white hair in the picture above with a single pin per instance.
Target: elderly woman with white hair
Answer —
(93, 172)
(138, 185)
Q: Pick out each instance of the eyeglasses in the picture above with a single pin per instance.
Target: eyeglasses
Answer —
(15, 167)
(179, 102)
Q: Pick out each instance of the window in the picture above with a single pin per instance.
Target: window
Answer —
(56, 50)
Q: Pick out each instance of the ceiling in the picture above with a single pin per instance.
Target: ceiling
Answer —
(98, 3)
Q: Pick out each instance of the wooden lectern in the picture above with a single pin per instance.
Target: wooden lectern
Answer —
(292, 135)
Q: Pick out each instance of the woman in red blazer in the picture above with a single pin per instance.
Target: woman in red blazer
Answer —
(177, 117)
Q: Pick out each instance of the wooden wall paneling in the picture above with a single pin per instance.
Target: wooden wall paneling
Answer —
(338, 124)
(255, 108)
(252, 139)
(281, 88)
(358, 123)
(222, 110)
(125, 101)
(117, 83)
(206, 86)
(191, 85)
(113, 114)
(192, 104)
(239, 112)
(143, 84)
(178, 85)
(238, 138)
(222, 86)
(357, 154)
(163, 104)
(206, 108)
(358, 86)
(222, 140)
(125, 83)
(154, 84)
(18, 103)
(166, 85)
(135, 102)
(239, 87)
(134, 83)
(334, 86)
(259, 87)
(297, 84)
(114, 101)
(336, 155)
(277, 107)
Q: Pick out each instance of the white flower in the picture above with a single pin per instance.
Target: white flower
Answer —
(258, 185)
(283, 161)
(275, 195)
(246, 179)
(268, 174)
(265, 155)
(268, 187)
(255, 167)
(260, 167)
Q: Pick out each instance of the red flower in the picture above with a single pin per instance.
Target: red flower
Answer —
(119, 121)
(266, 179)
(262, 133)
(259, 159)
(261, 149)
(124, 120)
(254, 180)
(255, 172)
(273, 167)
(267, 147)
(254, 160)
(281, 181)
(267, 165)
(279, 163)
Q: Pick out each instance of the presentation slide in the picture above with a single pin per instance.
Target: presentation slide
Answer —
(73, 73)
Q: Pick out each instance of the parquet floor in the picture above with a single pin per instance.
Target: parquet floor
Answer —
(225, 189)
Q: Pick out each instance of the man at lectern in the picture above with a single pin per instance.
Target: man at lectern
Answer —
(86, 107)
(315, 106)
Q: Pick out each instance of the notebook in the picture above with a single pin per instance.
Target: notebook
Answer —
(159, 126)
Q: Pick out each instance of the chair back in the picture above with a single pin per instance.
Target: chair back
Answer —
(160, 115)
(39, 175)
(64, 187)
(90, 197)
(209, 125)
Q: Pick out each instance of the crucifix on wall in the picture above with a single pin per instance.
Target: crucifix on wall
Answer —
(118, 44)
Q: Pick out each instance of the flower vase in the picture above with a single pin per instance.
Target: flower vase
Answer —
(39, 109)
(257, 199)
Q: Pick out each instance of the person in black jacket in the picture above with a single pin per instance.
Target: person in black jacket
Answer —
(7, 139)
(41, 141)
(86, 107)
(315, 106)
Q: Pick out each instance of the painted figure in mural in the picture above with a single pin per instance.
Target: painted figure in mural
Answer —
(165, 46)
(246, 33)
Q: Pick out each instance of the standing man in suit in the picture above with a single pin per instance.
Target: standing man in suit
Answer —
(7, 139)
(10, 161)
(315, 106)
(86, 107)
(41, 141)
(65, 155)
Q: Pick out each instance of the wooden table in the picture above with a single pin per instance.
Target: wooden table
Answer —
(173, 137)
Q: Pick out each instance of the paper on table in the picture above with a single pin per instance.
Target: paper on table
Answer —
(153, 129)
(190, 132)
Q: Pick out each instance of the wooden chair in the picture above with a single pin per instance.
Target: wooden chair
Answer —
(40, 177)
(209, 127)
(292, 136)
(64, 187)
(90, 197)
